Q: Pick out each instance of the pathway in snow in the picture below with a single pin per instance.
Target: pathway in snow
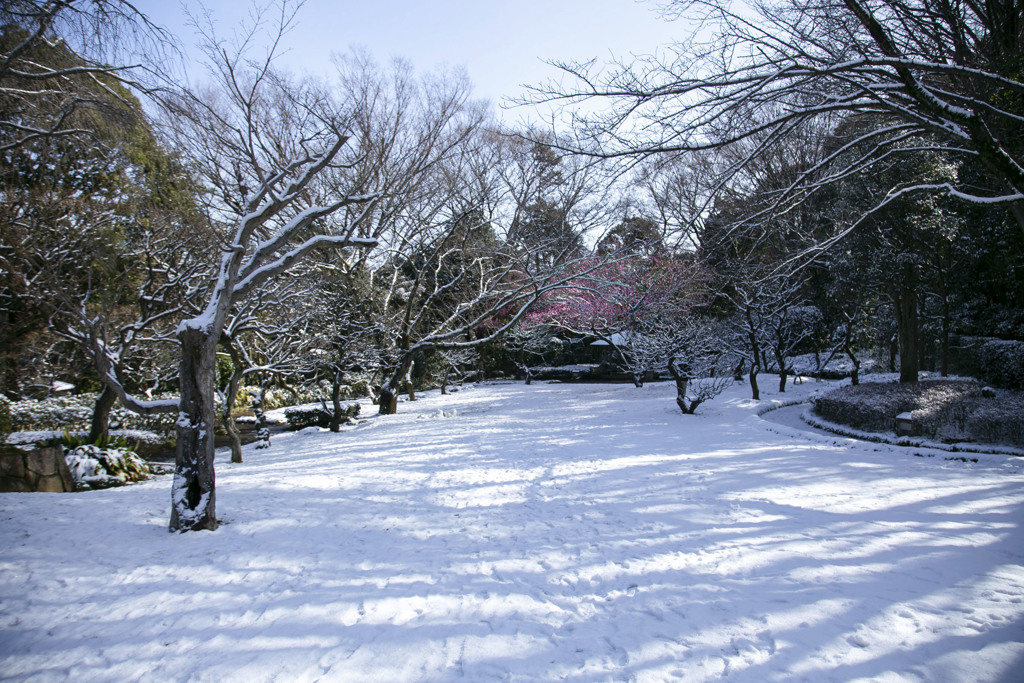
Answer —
(549, 532)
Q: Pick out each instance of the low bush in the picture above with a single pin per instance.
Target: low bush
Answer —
(316, 415)
(945, 410)
(96, 467)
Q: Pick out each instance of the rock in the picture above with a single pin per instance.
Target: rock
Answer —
(41, 470)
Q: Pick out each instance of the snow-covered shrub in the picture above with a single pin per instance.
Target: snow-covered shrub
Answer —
(275, 397)
(70, 412)
(874, 406)
(75, 413)
(95, 467)
(997, 420)
(946, 410)
(998, 361)
(5, 419)
(310, 415)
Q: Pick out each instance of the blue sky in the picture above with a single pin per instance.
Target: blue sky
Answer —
(500, 44)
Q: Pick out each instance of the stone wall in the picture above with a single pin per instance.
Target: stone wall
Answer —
(42, 469)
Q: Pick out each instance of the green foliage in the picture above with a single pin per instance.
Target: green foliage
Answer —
(102, 467)
(72, 440)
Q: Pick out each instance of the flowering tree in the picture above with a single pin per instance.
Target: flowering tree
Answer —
(618, 299)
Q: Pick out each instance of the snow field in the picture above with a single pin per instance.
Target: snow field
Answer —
(543, 532)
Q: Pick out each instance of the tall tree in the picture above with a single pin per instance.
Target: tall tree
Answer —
(262, 144)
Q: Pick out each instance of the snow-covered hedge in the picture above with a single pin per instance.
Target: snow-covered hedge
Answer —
(310, 415)
(945, 410)
(996, 420)
(874, 406)
(275, 397)
(998, 361)
(95, 467)
(75, 413)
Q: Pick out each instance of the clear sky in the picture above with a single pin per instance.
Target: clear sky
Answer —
(501, 44)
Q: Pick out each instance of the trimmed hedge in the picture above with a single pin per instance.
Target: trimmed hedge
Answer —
(315, 415)
(75, 414)
(945, 410)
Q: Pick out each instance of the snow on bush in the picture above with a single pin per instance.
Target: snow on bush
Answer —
(43, 437)
(275, 398)
(996, 420)
(5, 418)
(95, 467)
(75, 413)
(874, 406)
(946, 410)
(312, 414)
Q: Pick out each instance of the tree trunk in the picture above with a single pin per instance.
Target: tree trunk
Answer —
(944, 342)
(99, 428)
(336, 403)
(755, 391)
(262, 430)
(234, 437)
(526, 371)
(783, 375)
(906, 324)
(193, 495)
(855, 374)
(230, 393)
(682, 380)
(388, 400)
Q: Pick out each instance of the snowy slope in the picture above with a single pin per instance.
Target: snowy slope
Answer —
(544, 532)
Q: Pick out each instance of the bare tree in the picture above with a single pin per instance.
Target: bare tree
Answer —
(938, 75)
(261, 144)
(61, 60)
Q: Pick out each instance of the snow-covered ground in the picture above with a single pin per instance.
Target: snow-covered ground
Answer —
(546, 532)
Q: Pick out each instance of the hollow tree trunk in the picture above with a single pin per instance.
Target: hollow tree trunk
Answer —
(99, 427)
(193, 495)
